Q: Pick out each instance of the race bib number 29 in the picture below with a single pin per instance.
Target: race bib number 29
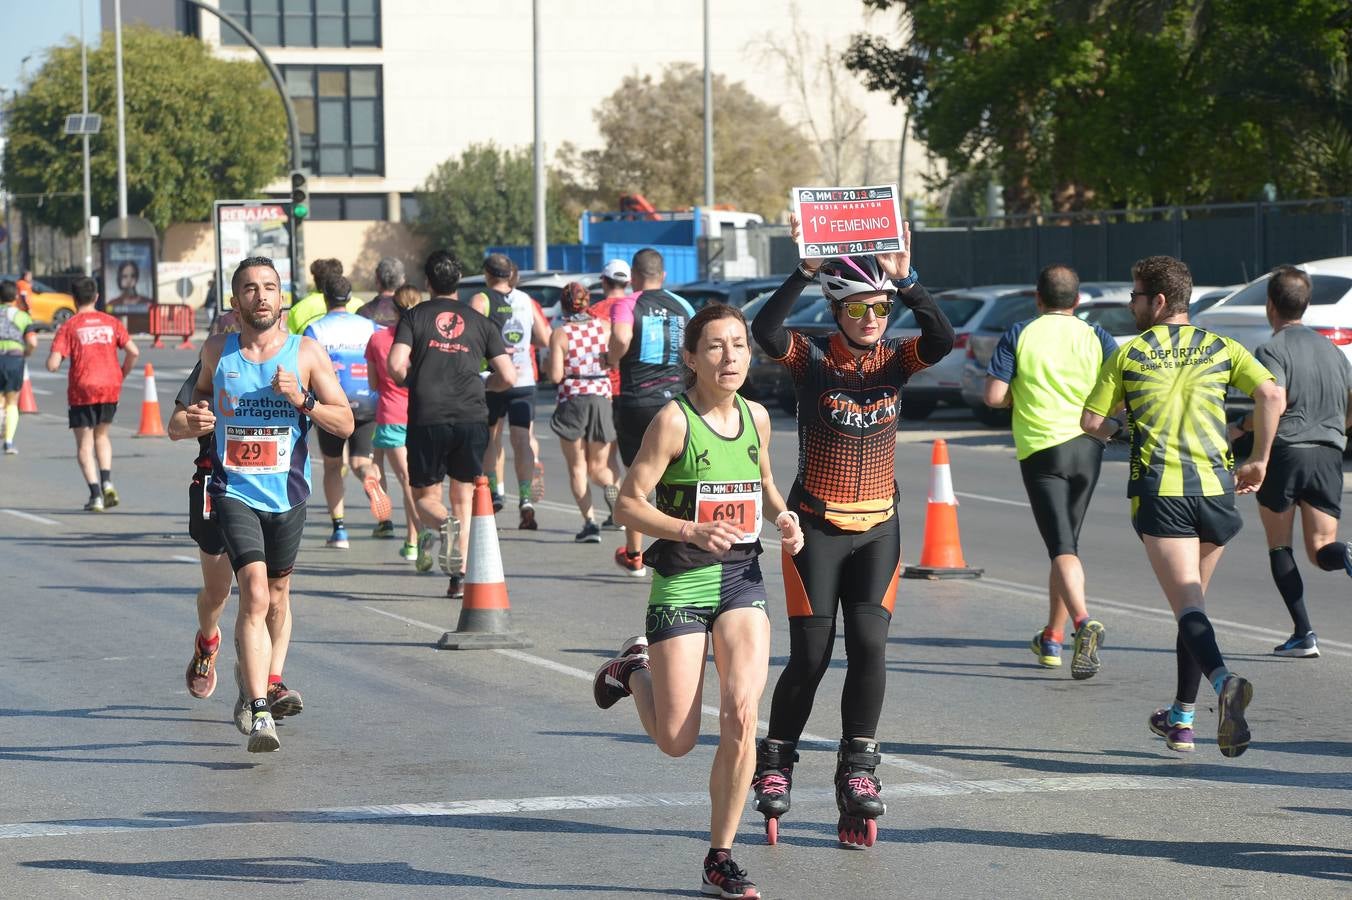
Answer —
(261, 450)
(736, 502)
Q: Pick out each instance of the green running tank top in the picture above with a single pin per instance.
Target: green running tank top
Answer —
(715, 477)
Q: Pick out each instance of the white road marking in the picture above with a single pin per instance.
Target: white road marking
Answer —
(1001, 500)
(1337, 648)
(536, 805)
(41, 520)
(187, 559)
(711, 711)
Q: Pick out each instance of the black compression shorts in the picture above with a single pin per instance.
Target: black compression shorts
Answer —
(252, 535)
(1212, 520)
(201, 527)
(1060, 482)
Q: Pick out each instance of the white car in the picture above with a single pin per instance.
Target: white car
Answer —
(1243, 315)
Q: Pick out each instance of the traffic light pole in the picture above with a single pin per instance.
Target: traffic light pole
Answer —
(293, 126)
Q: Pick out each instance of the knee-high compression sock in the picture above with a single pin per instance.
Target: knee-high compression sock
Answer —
(1332, 557)
(105, 475)
(1290, 586)
(1196, 633)
(1189, 675)
(11, 421)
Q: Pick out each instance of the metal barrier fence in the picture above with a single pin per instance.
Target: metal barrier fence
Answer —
(174, 320)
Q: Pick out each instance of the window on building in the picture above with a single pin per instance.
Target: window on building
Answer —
(339, 112)
(304, 23)
(410, 207)
(347, 207)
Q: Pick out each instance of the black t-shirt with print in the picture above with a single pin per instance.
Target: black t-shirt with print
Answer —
(448, 341)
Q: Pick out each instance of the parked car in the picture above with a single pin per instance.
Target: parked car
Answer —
(1243, 314)
(1205, 296)
(1113, 316)
(48, 307)
(737, 293)
(767, 380)
(942, 382)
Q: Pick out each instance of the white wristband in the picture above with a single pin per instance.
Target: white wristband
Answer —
(788, 512)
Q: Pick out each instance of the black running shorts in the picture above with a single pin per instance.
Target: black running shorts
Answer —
(1212, 520)
(91, 414)
(11, 374)
(1304, 473)
(631, 421)
(252, 535)
(359, 444)
(435, 451)
(201, 527)
(517, 404)
(1060, 482)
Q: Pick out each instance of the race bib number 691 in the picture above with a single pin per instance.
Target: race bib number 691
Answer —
(736, 502)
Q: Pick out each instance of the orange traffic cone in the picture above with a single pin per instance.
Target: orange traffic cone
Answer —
(941, 557)
(151, 424)
(27, 402)
(486, 613)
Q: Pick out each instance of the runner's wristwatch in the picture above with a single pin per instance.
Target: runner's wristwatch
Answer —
(309, 403)
(913, 278)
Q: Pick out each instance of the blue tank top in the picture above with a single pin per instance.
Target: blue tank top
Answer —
(259, 456)
(343, 335)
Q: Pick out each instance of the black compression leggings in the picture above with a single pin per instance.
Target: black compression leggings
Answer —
(857, 573)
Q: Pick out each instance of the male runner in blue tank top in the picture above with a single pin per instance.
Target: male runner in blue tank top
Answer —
(265, 387)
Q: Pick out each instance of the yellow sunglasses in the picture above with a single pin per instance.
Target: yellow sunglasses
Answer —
(882, 309)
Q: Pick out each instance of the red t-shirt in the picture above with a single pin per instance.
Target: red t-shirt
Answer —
(601, 310)
(90, 340)
(392, 406)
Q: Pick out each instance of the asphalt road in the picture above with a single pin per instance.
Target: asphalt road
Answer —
(419, 772)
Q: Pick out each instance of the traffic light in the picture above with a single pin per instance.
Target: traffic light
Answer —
(300, 196)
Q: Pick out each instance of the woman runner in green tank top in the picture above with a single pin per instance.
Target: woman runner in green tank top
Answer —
(706, 455)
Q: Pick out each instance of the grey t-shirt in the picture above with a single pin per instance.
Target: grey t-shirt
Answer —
(1317, 377)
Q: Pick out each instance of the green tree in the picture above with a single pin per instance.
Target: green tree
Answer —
(1124, 102)
(198, 128)
(653, 134)
(486, 197)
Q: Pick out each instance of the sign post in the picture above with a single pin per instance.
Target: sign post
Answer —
(839, 221)
(247, 228)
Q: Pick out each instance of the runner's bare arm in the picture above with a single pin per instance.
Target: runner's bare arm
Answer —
(332, 412)
(997, 393)
(210, 357)
(790, 532)
(621, 333)
(1101, 427)
(504, 373)
(558, 348)
(54, 361)
(479, 303)
(1269, 401)
(397, 362)
(662, 442)
(540, 331)
(129, 354)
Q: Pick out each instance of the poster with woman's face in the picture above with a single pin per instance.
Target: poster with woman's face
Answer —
(128, 275)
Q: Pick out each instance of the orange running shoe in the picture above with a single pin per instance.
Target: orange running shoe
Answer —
(381, 507)
(201, 675)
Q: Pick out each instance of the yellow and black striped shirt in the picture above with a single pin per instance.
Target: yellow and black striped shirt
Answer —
(1173, 380)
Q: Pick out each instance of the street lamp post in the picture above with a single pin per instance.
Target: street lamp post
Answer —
(708, 116)
(541, 241)
(121, 114)
(84, 109)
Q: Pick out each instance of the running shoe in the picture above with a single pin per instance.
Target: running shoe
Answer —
(282, 701)
(1084, 663)
(589, 534)
(201, 674)
(1047, 651)
(410, 552)
(381, 507)
(1306, 647)
(338, 540)
(426, 538)
(499, 501)
(724, 878)
(455, 589)
(384, 530)
(11, 450)
(1232, 733)
(448, 555)
(611, 525)
(94, 504)
(109, 495)
(263, 734)
(528, 523)
(1179, 738)
(610, 685)
(537, 483)
(243, 715)
(632, 565)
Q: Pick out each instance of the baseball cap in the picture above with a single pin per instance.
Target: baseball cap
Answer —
(617, 270)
